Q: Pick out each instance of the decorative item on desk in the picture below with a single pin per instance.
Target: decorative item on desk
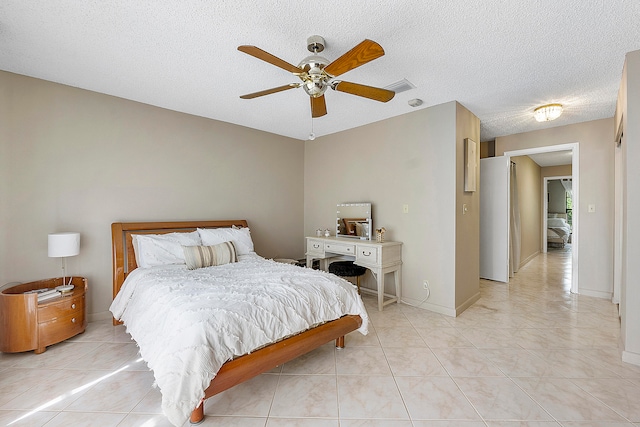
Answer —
(327, 233)
(380, 234)
(319, 232)
(62, 245)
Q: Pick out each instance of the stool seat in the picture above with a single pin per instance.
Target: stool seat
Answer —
(347, 269)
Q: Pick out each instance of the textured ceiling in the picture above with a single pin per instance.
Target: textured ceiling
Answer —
(498, 58)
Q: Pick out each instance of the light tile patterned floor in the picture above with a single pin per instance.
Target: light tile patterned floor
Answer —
(527, 354)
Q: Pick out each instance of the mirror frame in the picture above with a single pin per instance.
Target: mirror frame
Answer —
(366, 206)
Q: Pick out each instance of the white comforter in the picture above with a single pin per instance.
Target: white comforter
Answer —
(188, 323)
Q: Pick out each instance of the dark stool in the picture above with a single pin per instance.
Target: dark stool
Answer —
(348, 269)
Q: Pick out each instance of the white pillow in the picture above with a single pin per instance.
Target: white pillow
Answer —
(241, 238)
(162, 249)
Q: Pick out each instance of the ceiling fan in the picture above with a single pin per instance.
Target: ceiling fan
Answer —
(317, 73)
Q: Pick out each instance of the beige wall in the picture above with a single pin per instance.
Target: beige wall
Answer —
(404, 160)
(529, 198)
(596, 151)
(467, 253)
(557, 196)
(548, 171)
(4, 181)
(78, 160)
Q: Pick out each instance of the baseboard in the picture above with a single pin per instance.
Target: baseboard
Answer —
(468, 303)
(629, 357)
(429, 306)
(96, 317)
(597, 294)
(441, 309)
(529, 258)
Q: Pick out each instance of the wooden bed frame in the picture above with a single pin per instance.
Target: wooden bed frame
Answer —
(245, 367)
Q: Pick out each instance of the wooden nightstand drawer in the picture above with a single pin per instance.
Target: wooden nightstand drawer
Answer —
(61, 328)
(64, 306)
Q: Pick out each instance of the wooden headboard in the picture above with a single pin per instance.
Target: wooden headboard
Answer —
(124, 260)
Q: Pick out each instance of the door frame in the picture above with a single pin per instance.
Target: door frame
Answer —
(545, 207)
(575, 176)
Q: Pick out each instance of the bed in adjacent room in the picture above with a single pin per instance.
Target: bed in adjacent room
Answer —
(558, 230)
(208, 313)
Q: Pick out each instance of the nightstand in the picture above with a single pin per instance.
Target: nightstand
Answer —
(26, 324)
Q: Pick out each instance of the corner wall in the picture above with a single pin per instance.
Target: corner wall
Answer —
(78, 160)
(628, 115)
(529, 195)
(467, 254)
(409, 159)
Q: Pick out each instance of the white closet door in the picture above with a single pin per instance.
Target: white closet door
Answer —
(494, 219)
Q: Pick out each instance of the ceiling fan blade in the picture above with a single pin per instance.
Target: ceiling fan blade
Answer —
(366, 51)
(375, 93)
(318, 106)
(270, 91)
(271, 59)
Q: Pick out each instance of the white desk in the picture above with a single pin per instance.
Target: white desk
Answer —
(379, 258)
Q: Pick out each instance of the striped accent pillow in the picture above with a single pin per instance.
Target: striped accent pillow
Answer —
(208, 256)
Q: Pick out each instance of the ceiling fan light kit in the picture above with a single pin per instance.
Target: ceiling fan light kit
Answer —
(317, 73)
(546, 113)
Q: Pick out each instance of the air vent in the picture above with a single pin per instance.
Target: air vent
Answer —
(401, 86)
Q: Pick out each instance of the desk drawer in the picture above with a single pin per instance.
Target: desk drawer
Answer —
(340, 248)
(368, 254)
(315, 247)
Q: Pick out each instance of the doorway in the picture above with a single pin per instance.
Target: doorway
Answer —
(557, 212)
(575, 179)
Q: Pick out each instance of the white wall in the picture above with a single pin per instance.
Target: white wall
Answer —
(409, 159)
(78, 160)
(596, 187)
(628, 114)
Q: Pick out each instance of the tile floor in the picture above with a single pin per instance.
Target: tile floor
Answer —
(527, 354)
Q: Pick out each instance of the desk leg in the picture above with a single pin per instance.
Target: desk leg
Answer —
(397, 277)
(380, 281)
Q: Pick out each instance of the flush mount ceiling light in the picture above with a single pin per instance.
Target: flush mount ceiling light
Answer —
(547, 112)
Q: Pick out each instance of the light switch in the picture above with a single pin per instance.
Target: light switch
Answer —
(405, 208)
(592, 208)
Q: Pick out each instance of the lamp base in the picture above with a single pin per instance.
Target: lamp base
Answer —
(64, 288)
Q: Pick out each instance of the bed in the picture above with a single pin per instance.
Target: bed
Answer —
(558, 230)
(148, 296)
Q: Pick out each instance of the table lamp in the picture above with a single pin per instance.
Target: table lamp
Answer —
(62, 245)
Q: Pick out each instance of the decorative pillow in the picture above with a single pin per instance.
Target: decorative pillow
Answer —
(241, 237)
(209, 256)
(162, 249)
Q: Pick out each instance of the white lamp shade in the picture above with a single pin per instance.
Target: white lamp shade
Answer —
(64, 244)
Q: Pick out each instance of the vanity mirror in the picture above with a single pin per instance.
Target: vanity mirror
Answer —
(354, 220)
